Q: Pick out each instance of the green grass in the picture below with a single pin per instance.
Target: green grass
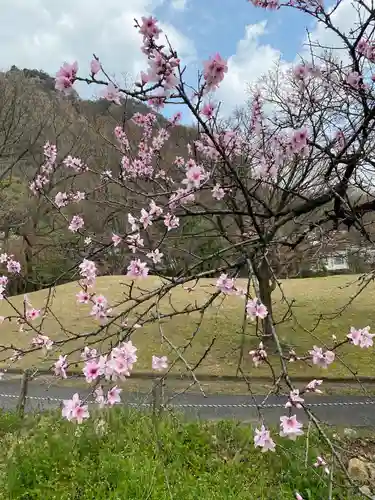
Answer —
(46, 458)
(222, 321)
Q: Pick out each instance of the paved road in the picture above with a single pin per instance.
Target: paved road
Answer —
(337, 410)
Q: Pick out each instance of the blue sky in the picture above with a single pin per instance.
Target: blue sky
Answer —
(219, 25)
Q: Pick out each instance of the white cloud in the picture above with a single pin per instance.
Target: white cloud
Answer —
(251, 61)
(345, 17)
(43, 33)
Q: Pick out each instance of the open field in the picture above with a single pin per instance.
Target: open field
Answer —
(222, 321)
(47, 458)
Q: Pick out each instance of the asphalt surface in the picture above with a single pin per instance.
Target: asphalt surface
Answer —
(335, 410)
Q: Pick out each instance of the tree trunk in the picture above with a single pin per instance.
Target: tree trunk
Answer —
(266, 287)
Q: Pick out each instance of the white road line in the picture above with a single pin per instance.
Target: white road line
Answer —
(191, 405)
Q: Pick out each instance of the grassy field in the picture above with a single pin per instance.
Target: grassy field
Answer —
(222, 321)
(46, 458)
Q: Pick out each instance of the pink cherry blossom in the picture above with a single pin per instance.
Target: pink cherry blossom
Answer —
(69, 405)
(113, 395)
(298, 142)
(83, 297)
(112, 93)
(92, 370)
(61, 200)
(156, 256)
(42, 341)
(262, 439)
(290, 427)
(32, 314)
(134, 242)
(258, 355)
(148, 28)
(155, 210)
(145, 218)
(75, 164)
(88, 353)
(60, 367)
(88, 272)
(66, 76)
(366, 339)
(225, 284)
(76, 223)
(116, 240)
(176, 118)
(137, 269)
(312, 386)
(194, 177)
(320, 462)
(79, 413)
(294, 399)
(99, 397)
(13, 266)
(354, 79)
(95, 67)
(255, 309)
(218, 192)
(320, 358)
(214, 71)
(133, 222)
(361, 337)
(159, 364)
(208, 110)
(171, 221)
(4, 280)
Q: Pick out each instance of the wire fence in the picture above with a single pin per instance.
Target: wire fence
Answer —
(157, 401)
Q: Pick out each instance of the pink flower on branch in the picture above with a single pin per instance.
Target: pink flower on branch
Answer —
(218, 192)
(225, 284)
(92, 370)
(13, 266)
(113, 395)
(76, 223)
(255, 309)
(73, 409)
(258, 355)
(290, 427)
(42, 341)
(116, 240)
(313, 386)
(294, 399)
(60, 367)
(83, 297)
(95, 67)
(171, 221)
(32, 314)
(148, 28)
(159, 364)
(214, 71)
(156, 256)
(66, 76)
(112, 93)
(137, 269)
(322, 358)
(263, 440)
(362, 337)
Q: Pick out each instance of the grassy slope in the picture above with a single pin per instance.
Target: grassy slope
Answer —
(46, 458)
(312, 297)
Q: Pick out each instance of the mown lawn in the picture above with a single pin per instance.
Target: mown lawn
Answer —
(46, 458)
(222, 321)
